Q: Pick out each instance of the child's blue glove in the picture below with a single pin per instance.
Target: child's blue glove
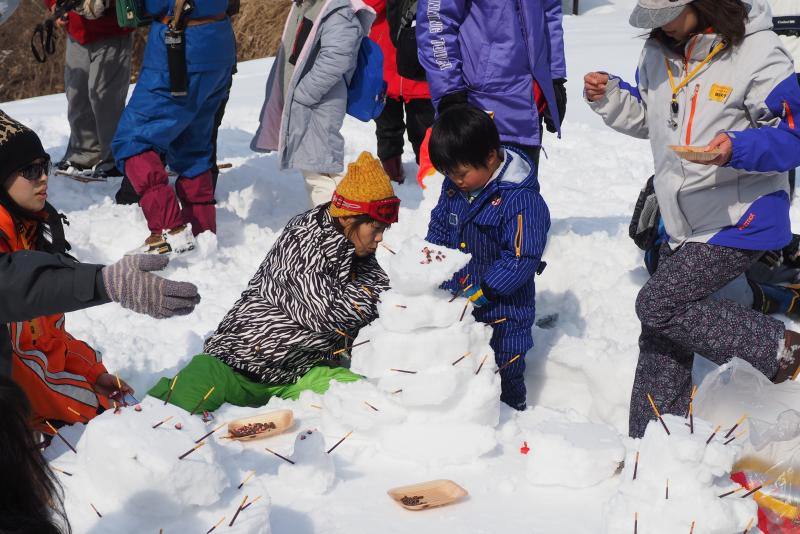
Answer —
(476, 296)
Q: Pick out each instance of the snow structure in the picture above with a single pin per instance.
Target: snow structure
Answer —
(419, 402)
(696, 474)
(313, 467)
(566, 449)
(582, 367)
(131, 473)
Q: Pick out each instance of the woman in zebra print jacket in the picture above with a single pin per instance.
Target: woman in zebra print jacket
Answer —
(318, 285)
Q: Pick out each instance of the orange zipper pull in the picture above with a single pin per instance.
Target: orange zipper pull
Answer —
(787, 113)
(691, 115)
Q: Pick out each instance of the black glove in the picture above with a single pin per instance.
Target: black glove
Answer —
(459, 98)
(791, 252)
(561, 104)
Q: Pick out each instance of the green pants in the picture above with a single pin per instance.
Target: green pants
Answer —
(206, 371)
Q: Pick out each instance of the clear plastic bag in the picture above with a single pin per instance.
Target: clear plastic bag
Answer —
(770, 435)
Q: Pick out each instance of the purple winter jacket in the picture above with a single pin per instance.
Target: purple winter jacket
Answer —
(494, 49)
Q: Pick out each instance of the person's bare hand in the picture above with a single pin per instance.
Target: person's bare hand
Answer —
(60, 22)
(722, 143)
(106, 385)
(594, 85)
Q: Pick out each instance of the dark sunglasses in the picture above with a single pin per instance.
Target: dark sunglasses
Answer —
(35, 170)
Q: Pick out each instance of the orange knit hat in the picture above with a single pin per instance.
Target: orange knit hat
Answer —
(365, 190)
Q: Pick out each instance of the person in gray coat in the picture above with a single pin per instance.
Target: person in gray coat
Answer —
(306, 94)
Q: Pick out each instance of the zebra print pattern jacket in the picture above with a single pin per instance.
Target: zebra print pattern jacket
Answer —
(310, 285)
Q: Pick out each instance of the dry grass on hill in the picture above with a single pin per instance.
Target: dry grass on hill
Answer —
(258, 31)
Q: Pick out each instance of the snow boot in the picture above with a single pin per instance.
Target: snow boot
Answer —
(394, 168)
(175, 241)
(788, 357)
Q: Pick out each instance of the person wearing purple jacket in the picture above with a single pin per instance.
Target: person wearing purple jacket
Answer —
(503, 56)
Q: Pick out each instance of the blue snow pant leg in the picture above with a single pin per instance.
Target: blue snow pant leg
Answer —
(510, 338)
(177, 127)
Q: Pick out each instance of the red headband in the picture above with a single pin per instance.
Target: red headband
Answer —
(385, 210)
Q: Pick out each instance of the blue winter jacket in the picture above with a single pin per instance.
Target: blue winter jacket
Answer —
(505, 230)
(494, 50)
(210, 46)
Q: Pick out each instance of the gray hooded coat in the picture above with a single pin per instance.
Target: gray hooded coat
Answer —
(302, 116)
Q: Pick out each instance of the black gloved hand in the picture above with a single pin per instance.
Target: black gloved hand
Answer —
(130, 282)
(458, 98)
(561, 103)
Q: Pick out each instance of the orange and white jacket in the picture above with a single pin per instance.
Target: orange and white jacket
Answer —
(56, 371)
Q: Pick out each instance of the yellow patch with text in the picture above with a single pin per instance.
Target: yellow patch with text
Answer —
(720, 93)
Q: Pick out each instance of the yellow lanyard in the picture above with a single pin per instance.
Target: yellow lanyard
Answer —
(675, 88)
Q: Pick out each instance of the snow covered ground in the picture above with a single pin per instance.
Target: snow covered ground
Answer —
(579, 373)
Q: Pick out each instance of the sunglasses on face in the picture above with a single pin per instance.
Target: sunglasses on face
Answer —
(35, 170)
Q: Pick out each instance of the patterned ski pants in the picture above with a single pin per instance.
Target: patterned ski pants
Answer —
(678, 319)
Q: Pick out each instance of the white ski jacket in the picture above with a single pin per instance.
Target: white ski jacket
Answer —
(749, 91)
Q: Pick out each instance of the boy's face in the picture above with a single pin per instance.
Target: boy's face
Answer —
(468, 178)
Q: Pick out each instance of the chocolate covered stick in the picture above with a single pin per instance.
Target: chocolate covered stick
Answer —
(209, 531)
(163, 421)
(714, 433)
(204, 436)
(339, 442)
(461, 358)
(57, 433)
(636, 466)
(190, 451)
(237, 511)
(387, 248)
(201, 401)
(248, 477)
(734, 427)
(509, 362)
(481, 365)
(282, 457)
(95, 511)
(171, 387)
(658, 415)
(747, 528)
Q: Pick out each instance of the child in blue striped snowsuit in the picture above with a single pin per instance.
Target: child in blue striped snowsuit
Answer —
(490, 207)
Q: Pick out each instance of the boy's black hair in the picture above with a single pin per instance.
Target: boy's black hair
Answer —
(462, 135)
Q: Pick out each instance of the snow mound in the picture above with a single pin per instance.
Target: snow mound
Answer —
(418, 267)
(313, 468)
(124, 466)
(567, 450)
(696, 474)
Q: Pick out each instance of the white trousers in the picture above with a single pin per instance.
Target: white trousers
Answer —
(320, 186)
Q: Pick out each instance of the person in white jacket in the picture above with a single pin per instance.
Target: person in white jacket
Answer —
(712, 74)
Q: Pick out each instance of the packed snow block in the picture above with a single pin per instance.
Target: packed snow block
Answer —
(313, 470)
(441, 444)
(568, 450)
(419, 268)
(405, 314)
(124, 446)
(696, 474)
(425, 348)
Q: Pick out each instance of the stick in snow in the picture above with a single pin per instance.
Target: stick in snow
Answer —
(163, 421)
(171, 387)
(658, 415)
(60, 436)
(481, 365)
(237, 511)
(206, 396)
(282, 457)
(339, 442)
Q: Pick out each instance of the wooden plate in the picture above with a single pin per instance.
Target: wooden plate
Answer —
(427, 494)
(695, 153)
(261, 426)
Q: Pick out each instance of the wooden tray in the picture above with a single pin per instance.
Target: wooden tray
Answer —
(695, 153)
(427, 494)
(263, 425)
